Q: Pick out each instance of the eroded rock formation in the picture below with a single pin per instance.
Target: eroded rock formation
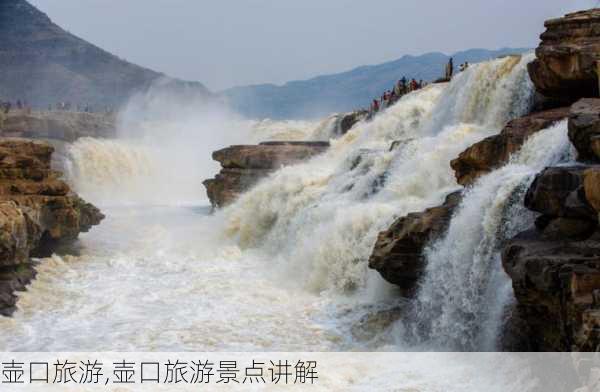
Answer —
(494, 151)
(37, 213)
(584, 129)
(556, 282)
(565, 68)
(244, 165)
(398, 253)
(555, 267)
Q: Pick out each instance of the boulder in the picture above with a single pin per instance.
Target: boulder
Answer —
(562, 192)
(557, 287)
(38, 212)
(566, 228)
(591, 187)
(584, 129)
(565, 68)
(494, 151)
(244, 165)
(228, 184)
(398, 252)
(555, 267)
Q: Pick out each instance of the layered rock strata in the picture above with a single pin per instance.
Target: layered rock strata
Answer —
(38, 212)
(566, 66)
(244, 165)
(555, 266)
(494, 151)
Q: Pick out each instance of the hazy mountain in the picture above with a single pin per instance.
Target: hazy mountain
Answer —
(42, 63)
(347, 90)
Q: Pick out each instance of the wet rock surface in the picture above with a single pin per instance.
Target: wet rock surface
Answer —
(38, 212)
(555, 266)
(557, 286)
(584, 129)
(494, 151)
(398, 253)
(562, 192)
(244, 165)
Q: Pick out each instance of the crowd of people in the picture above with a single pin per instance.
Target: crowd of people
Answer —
(450, 69)
(68, 107)
(22, 105)
(404, 86)
(7, 106)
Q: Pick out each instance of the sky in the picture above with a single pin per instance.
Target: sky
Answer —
(227, 43)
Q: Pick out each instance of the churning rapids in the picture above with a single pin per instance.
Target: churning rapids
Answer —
(285, 267)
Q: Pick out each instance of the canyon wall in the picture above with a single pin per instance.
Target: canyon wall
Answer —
(38, 213)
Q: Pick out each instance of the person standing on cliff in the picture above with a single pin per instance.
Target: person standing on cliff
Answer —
(449, 69)
(398, 89)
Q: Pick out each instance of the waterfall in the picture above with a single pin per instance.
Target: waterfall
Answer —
(145, 167)
(462, 296)
(318, 221)
(118, 172)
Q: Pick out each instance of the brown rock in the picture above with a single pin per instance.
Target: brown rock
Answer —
(556, 285)
(19, 234)
(567, 228)
(591, 186)
(494, 151)
(37, 213)
(243, 166)
(560, 192)
(269, 155)
(228, 184)
(565, 67)
(584, 129)
(398, 252)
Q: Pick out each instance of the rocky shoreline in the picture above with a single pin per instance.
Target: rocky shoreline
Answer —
(38, 213)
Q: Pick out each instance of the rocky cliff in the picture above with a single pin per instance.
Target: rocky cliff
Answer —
(243, 166)
(554, 265)
(565, 68)
(43, 64)
(398, 252)
(38, 212)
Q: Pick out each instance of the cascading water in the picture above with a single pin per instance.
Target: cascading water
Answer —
(126, 171)
(288, 258)
(318, 221)
(463, 293)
